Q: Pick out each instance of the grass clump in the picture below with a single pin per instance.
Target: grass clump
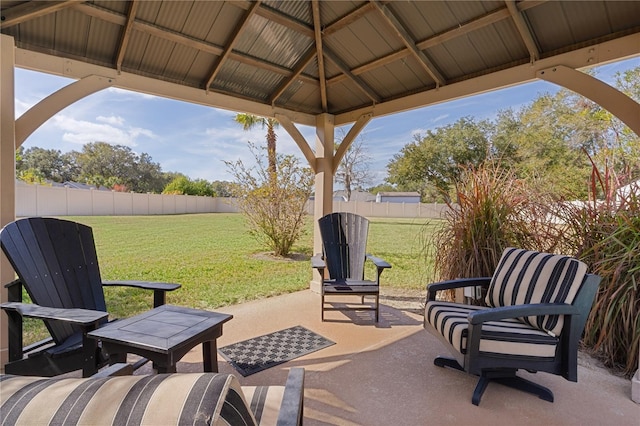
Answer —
(605, 233)
(494, 210)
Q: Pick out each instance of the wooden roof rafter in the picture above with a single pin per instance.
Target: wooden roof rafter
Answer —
(31, 10)
(233, 38)
(523, 30)
(317, 34)
(295, 74)
(408, 41)
(361, 84)
(126, 34)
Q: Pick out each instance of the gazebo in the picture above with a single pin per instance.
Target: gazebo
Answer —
(317, 63)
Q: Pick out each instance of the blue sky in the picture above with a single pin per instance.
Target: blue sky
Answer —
(195, 140)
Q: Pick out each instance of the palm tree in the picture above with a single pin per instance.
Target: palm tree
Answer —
(249, 121)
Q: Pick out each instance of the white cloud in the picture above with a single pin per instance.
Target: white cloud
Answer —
(22, 106)
(113, 120)
(81, 131)
(440, 118)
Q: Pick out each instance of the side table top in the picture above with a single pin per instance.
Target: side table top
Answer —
(162, 329)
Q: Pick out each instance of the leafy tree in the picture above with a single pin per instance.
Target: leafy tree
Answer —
(539, 144)
(435, 158)
(31, 176)
(383, 187)
(182, 185)
(222, 188)
(51, 164)
(353, 171)
(150, 177)
(118, 164)
(275, 209)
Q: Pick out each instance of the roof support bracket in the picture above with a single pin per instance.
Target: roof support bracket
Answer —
(613, 100)
(38, 114)
(299, 139)
(355, 130)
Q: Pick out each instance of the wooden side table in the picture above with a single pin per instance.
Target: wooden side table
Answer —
(164, 335)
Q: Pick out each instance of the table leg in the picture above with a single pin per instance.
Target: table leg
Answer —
(210, 356)
(164, 369)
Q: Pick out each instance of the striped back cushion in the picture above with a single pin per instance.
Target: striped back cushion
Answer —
(524, 276)
(195, 399)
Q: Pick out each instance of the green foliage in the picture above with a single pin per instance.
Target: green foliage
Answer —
(544, 140)
(495, 210)
(436, 157)
(222, 188)
(182, 185)
(32, 176)
(274, 204)
(51, 164)
(605, 233)
(218, 263)
(119, 164)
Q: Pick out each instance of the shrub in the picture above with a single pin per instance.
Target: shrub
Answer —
(274, 203)
(605, 233)
(495, 210)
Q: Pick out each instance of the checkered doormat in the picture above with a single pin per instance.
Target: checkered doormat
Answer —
(260, 353)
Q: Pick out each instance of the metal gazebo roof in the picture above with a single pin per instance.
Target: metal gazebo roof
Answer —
(305, 58)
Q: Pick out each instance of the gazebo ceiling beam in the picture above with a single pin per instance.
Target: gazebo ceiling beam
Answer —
(233, 38)
(284, 20)
(126, 34)
(31, 10)
(295, 75)
(317, 34)
(347, 19)
(362, 85)
(409, 42)
(523, 30)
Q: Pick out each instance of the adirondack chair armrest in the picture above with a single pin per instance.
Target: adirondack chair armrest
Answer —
(317, 261)
(380, 263)
(14, 290)
(81, 317)
(291, 409)
(159, 288)
(434, 288)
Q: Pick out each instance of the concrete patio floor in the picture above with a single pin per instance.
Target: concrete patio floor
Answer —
(383, 374)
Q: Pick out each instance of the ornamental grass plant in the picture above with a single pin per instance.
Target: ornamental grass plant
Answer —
(494, 210)
(605, 233)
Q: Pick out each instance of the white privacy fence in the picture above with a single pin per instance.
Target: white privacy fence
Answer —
(40, 200)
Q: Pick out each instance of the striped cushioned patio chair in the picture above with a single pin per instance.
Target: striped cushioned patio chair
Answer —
(162, 399)
(537, 306)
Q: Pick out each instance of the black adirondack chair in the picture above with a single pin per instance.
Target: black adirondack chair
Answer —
(344, 242)
(56, 262)
(538, 304)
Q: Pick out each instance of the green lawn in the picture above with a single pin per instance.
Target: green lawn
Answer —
(218, 263)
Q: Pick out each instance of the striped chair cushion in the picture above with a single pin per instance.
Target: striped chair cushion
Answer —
(506, 337)
(197, 399)
(524, 277)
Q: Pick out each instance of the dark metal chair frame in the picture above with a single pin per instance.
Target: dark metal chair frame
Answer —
(344, 240)
(503, 370)
(57, 264)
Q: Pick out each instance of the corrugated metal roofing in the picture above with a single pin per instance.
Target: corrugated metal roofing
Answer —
(372, 51)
